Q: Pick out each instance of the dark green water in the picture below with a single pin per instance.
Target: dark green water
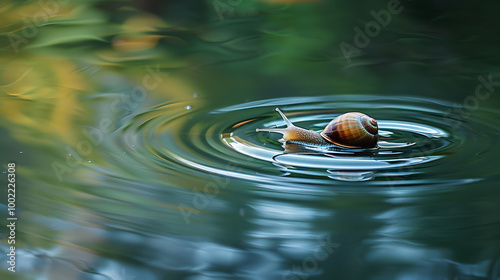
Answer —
(132, 128)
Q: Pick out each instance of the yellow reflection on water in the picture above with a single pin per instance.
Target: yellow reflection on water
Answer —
(39, 96)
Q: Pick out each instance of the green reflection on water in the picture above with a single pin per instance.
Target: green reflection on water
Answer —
(91, 93)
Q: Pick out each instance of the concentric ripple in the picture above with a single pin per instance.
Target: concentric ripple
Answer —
(419, 143)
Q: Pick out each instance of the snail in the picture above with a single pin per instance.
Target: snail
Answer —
(350, 130)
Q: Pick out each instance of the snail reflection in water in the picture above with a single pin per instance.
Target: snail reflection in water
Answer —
(350, 130)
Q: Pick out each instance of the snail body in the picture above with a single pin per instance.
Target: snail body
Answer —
(350, 130)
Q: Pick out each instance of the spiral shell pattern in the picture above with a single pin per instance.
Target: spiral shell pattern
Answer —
(352, 130)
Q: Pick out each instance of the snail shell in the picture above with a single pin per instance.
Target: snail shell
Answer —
(352, 130)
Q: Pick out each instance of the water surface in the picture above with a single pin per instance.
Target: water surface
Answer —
(133, 130)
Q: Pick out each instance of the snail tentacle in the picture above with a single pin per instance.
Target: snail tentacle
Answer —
(287, 121)
(283, 131)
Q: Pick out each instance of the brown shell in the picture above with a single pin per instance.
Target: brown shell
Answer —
(352, 130)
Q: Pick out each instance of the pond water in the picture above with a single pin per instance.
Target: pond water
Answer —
(132, 127)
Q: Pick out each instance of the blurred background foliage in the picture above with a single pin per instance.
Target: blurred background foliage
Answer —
(256, 48)
(64, 63)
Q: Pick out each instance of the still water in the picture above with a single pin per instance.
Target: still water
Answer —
(132, 127)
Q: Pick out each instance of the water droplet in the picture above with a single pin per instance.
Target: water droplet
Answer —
(188, 107)
(21, 152)
(195, 95)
